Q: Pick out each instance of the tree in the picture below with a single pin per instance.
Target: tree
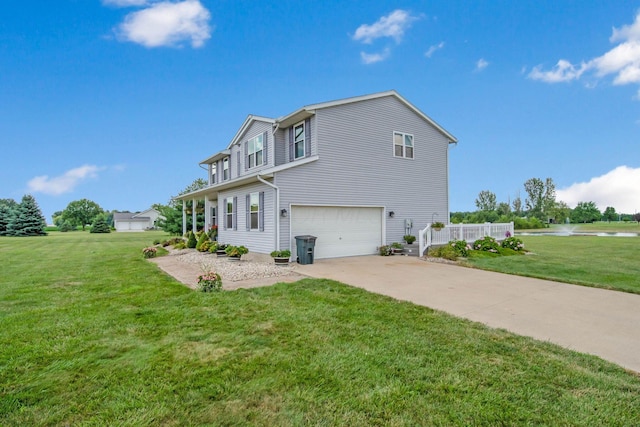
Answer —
(81, 212)
(172, 213)
(560, 212)
(100, 225)
(636, 218)
(503, 209)
(541, 197)
(609, 214)
(585, 212)
(486, 201)
(7, 207)
(27, 219)
(517, 206)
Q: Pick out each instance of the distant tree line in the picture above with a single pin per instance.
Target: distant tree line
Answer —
(539, 209)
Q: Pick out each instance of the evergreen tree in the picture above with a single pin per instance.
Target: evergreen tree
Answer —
(27, 219)
(6, 211)
(100, 225)
(192, 242)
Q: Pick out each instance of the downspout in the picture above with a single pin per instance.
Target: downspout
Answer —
(277, 207)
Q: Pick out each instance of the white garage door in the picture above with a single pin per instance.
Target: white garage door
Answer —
(340, 231)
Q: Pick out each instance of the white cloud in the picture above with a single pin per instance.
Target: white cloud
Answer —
(563, 71)
(372, 58)
(63, 183)
(125, 3)
(433, 49)
(481, 64)
(167, 24)
(618, 188)
(622, 61)
(392, 25)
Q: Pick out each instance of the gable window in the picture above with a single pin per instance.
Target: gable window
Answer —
(298, 141)
(403, 145)
(255, 211)
(225, 168)
(214, 167)
(255, 151)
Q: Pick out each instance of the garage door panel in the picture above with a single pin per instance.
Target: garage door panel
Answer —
(341, 231)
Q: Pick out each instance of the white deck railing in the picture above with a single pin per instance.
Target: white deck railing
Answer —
(467, 232)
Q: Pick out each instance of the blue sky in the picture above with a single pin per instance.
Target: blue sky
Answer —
(118, 100)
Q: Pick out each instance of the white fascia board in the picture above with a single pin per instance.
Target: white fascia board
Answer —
(250, 119)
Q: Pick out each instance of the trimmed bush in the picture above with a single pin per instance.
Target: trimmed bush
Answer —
(204, 237)
(513, 243)
(461, 247)
(486, 244)
(446, 252)
(191, 241)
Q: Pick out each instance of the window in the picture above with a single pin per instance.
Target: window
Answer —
(254, 203)
(298, 141)
(255, 211)
(403, 145)
(214, 167)
(255, 151)
(213, 216)
(229, 214)
(225, 169)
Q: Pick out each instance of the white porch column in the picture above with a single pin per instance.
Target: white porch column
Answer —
(207, 214)
(194, 227)
(184, 217)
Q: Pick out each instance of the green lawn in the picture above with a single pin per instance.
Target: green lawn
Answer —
(92, 334)
(603, 262)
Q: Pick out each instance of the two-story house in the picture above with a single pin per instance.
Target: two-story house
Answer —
(356, 173)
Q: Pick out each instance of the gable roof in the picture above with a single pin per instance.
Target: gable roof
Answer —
(309, 110)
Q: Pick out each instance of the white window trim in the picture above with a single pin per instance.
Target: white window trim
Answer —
(404, 147)
(225, 170)
(303, 141)
(257, 212)
(255, 153)
(214, 170)
(228, 216)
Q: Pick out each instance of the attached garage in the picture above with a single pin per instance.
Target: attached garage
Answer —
(341, 230)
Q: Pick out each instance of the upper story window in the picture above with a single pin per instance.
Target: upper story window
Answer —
(214, 167)
(225, 168)
(403, 145)
(298, 141)
(255, 151)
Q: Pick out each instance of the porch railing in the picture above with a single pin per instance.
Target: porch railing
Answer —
(467, 232)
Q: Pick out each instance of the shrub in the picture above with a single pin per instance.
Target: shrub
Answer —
(191, 241)
(205, 246)
(209, 282)
(385, 250)
(513, 243)
(486, 244)
(213, 247)
(149, 252)
(236, 251)
(66, 226)
(446, 252)
(461, 247)
(180, 245)
(100, 226)
(204, 237)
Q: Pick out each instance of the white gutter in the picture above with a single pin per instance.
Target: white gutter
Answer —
(277, 209)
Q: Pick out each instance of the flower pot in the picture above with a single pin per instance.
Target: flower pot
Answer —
(281, 260)
(221, 253)
(234, 258)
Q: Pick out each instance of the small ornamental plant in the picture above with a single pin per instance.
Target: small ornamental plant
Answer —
(385, 250)
(209, 282)
(461, 247)
(513, 243)
(437, 225)
(409, 239)
(486, 244)
(281, 254)
(149, 252)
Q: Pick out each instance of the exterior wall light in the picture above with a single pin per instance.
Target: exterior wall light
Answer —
(283, 213)
(391, 214)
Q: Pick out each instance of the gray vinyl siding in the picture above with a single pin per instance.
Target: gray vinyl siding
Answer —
(256, 128)
(257, 241)
(356, 166)
(280, 147)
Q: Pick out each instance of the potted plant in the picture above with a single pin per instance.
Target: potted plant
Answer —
(437, 226)
(397, 247)
(409, 239)
(235, 252)
(281, 257)
(221, 250)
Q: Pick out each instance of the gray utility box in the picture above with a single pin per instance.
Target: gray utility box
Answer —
(305, 246)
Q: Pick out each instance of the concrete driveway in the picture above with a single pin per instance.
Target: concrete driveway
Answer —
(596, 321)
